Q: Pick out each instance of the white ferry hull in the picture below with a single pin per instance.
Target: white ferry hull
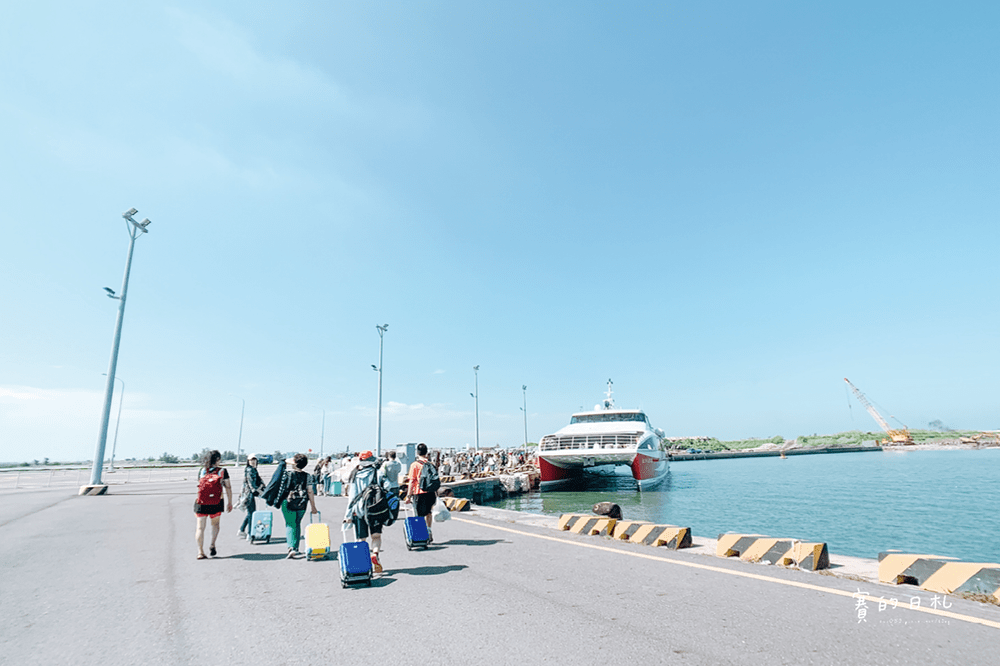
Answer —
(558, 469)
(601, 440)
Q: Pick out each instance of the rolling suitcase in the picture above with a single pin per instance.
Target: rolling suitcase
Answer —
(415, 528)
(355, 560)
(260, 526)
(317, 539)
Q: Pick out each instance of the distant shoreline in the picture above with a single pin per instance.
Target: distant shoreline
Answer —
(778, 452)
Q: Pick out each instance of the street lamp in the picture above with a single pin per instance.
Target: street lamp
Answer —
(378, 427)
(134, 229)
(525, 410)
(322, 432)
(476, 396)
(239, 442)
(121, 397)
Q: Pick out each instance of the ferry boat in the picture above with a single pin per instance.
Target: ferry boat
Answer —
(601, 440)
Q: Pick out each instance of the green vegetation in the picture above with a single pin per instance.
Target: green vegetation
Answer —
(842, 439)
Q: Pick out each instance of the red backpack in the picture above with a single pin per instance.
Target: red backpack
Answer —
(210, 487)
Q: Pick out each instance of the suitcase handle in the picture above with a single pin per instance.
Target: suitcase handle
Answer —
(343, 530)
(319, 518)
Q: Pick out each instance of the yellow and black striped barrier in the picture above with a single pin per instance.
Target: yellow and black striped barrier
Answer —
(100, 489)
(786, 552)
(649, 534)
(940, 574)
(447, 479)
(587, 524)
(456, 503)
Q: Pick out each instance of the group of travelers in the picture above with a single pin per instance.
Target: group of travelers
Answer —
(475, 462)
(293, 490)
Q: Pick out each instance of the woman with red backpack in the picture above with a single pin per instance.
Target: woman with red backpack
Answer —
(208, 504)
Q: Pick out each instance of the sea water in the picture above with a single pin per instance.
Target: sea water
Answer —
(932, 502)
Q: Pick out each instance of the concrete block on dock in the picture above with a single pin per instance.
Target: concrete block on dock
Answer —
(650, 534)
(785, 552)
(940, 574)
(456, 503)
(587, 524)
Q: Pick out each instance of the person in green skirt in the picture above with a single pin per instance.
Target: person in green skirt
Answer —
(294, 494)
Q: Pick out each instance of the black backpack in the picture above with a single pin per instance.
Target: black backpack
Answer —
(429, 479)
(375, 504)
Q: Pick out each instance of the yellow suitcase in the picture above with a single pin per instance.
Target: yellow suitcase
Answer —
(317, 539)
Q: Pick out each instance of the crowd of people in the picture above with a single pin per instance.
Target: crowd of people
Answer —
(497, 461)
(293, 490)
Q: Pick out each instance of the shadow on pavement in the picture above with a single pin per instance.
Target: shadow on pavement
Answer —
(425, 571)
(472, 542)
(254, 557)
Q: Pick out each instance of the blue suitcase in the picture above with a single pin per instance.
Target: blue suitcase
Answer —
(415, 528)
(355, 561)
(260, 526)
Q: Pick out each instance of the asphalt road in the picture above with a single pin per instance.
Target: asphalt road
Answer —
(114, 580)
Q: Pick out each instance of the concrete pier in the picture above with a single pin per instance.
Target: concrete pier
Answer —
(114, 580)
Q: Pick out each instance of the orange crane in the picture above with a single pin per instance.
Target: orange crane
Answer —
(895, 436)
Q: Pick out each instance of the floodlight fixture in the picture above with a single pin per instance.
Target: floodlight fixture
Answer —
(129, 213)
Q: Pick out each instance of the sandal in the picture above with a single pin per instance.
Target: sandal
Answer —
(212, 551)
(202, 556)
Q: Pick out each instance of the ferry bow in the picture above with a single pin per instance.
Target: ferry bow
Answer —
(598, 441)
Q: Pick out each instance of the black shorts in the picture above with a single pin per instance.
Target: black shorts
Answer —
(209, 509)
(423, 503)
(362, 528)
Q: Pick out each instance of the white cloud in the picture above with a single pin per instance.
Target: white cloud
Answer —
(438, 372)
(226, 48)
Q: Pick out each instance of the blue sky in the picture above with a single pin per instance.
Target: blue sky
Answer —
(726, 209)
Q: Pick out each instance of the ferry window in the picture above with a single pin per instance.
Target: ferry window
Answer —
(609, 418)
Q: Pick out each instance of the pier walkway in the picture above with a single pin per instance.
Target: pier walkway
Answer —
(114, 580)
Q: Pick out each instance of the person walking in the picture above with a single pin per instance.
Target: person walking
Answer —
(364, 475)
(253, 485)
(390, 474)
(316, 477)
(421, 500)
(294, 494)
(327, 473)
(208, 504)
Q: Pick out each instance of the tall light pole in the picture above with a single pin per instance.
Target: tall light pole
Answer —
(239, 441)
(378, 426)
(134, 229)
(525, 410)
(322, 433)
(476, 396)
(121, 397)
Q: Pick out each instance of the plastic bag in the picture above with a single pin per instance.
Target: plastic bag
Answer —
(441, 512)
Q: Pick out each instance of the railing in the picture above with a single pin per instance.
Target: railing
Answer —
(23, 479)
(595, 442)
